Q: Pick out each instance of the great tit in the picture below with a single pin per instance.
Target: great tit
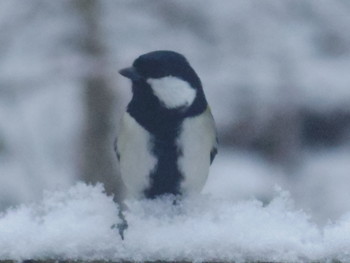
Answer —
(167, 137)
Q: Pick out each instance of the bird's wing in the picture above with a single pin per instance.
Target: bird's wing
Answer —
(116, 148)
(214, 151)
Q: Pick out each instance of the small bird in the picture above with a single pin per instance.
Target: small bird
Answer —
(167, 137)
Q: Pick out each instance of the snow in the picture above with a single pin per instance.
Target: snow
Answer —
(210, 229)
(69, 224)
(77, 223)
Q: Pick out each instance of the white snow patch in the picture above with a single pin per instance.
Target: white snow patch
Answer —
(209, 229)
(77, 224)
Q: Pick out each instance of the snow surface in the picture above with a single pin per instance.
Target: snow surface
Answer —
(77, 224)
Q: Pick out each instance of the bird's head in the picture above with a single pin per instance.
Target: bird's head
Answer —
(168, 77)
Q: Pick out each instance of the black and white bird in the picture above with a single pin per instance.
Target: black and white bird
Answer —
(167, 137)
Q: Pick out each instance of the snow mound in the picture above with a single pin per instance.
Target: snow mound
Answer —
(67, 224)
(206, 229)
(77, 224)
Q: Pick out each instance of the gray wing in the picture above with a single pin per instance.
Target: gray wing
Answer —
(116, 148)
(214, 151)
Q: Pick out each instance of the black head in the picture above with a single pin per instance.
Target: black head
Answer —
(159, 64)
(166, 78)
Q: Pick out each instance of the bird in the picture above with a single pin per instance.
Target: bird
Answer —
(167, 139)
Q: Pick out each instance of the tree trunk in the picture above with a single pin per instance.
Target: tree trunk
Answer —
(98, 159)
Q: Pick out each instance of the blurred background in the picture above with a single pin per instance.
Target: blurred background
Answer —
(276, 74)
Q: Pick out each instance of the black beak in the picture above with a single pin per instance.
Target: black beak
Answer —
(130, 73)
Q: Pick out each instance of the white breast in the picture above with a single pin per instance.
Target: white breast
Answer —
(136, 159)
(173, 92)
(197, 139)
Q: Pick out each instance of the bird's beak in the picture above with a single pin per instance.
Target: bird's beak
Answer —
(130, 73)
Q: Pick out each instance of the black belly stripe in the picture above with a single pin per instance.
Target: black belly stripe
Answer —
(164, 128)
(166, 177)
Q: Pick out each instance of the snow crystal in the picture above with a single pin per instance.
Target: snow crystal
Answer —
(78, 224)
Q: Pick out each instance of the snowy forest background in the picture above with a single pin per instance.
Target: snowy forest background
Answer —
(276, 74)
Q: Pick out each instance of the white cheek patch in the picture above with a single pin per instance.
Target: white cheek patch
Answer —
(173, 92)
